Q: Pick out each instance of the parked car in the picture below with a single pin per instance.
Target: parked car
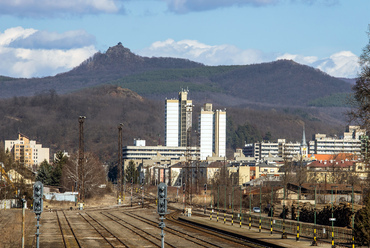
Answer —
(256, 210)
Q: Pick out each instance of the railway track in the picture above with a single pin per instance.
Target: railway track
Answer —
(128, 227)
(172, 218)
(140, 232)
(103, 231)
(68, 234)
(194, 240)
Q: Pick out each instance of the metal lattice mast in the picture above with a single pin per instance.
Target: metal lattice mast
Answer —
(120, 181)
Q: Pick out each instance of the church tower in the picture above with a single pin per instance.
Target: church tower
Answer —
(304, 148)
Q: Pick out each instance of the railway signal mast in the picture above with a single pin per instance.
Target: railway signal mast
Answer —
(162, 207)
(38, 189)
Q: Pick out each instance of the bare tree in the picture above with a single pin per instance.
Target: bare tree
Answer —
(93, 173)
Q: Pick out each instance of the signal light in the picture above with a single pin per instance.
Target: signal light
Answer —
(183, 187)
(38, 189)
(162, 199)
(205, 187)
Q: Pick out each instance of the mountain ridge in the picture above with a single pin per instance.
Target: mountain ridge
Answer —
(282, 83)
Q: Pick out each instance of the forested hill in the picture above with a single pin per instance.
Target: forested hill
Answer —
(281, 83)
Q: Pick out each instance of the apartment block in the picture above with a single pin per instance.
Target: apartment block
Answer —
(350, 142)
(27, 152)
(212, 132)
(178, 120)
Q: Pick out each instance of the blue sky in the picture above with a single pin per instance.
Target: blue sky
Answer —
(45, 37)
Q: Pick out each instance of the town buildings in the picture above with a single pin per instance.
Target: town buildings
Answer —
(157, 155)
(27, 152)
(350, 143)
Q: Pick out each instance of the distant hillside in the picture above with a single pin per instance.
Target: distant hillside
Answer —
(334, 100)
(281, 83)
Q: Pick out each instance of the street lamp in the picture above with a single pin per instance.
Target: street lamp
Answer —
(260, 222)
(299, 197)
(241, 201)
(271, 206)
(314, 242)
(332, 217)
(232, 207)
(284, 236)
(218, 201)
(353, 220)
(250, 207)
(225, 205)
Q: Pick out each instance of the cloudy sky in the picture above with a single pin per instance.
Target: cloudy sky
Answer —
(44, 37)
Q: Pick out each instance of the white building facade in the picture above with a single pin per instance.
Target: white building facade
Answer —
(212, 132)
(178, 120)
(349, 143)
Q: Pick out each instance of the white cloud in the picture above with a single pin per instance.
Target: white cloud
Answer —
(185, 6)
(12, 34)
(36, 59)
(341, 64)
(206, 54)
(46, 8)
(53, 40)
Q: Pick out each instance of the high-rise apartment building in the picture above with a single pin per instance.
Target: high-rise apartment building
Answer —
(26, 151)
(212, 132)
(178, 120)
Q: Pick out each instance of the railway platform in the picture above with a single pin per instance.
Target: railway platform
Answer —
(264, 237)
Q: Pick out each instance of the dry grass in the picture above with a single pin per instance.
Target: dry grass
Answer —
(11, 227)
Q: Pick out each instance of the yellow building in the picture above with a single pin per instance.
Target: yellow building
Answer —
(26, 151)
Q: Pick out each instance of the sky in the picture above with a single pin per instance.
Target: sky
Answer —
(41, 38)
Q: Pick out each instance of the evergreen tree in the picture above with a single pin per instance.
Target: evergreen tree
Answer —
(131, 172)
(362, 224)
(44, 174)
(59, 162)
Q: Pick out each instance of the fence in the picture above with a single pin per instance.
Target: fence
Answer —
(342, 235)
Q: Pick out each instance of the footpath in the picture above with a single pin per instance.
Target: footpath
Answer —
(264, 237)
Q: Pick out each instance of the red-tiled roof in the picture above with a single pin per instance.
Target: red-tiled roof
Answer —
(339, 156)
(335, 163)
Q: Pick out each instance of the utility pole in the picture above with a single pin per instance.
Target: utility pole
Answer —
(81, 156)
(120, 181)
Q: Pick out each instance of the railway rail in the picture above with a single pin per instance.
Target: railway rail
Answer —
(172, 218)
(68, 234)
(103, 231)
(143, 234)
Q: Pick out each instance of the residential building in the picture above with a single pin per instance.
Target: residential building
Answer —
(194, 173)
(159, 155)
(281, 148)
(337, 171)
(349, 143)
(212, 132)
(178, 120)
(27, 152)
